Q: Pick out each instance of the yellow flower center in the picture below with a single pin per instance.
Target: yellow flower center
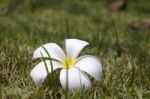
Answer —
(68, 62)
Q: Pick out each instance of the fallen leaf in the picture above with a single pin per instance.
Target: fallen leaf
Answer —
(143, 24)
(118, 5)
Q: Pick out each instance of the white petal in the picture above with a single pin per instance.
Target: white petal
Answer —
(74, 46)
(53, 49)
(76, 79)
(39, 72)
(90, 65)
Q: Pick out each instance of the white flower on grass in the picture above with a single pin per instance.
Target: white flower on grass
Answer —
(76, 67)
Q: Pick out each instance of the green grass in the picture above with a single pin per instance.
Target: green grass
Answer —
(124, 52)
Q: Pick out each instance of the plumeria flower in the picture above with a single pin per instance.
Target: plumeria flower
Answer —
(76, 67)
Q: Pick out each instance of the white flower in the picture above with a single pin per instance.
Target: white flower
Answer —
(70, 62)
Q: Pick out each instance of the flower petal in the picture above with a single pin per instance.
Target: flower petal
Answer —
(76, 79)
(74, 46)
(39, 72)
(90, 65)
(53, 49)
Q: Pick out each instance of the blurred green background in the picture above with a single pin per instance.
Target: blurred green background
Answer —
(120, 38)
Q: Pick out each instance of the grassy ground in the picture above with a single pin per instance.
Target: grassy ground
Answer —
(124, 51)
